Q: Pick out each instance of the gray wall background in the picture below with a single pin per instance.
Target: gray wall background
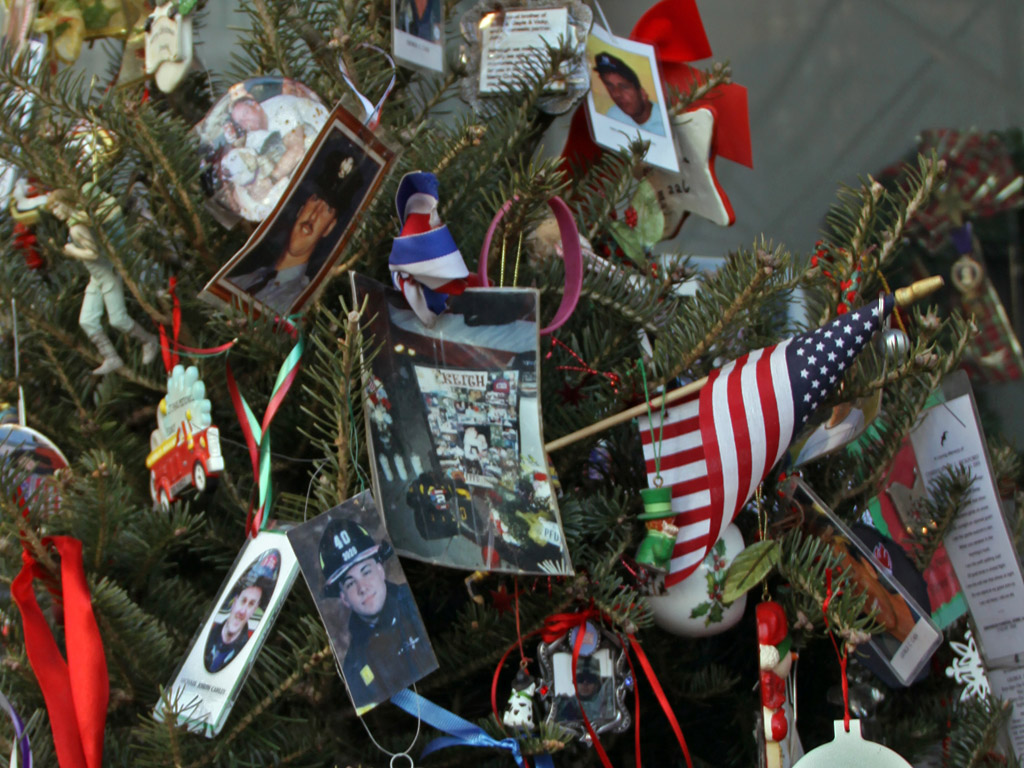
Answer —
(837, 89)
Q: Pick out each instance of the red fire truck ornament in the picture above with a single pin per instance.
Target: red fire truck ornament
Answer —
(185, 446)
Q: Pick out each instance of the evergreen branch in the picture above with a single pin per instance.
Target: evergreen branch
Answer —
(268, 701)
(271, 39)
(351, 345)
(931, 172)
(947, 496)
(720, 74)
(976, 728)
(64, 381)
(72, 343)
(175, 191)
(766, 265)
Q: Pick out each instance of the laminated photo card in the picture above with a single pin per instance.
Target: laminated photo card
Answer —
(454, 430)
(205, 686)
(364, 600)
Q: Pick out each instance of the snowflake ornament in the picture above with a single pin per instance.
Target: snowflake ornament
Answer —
(967, 669)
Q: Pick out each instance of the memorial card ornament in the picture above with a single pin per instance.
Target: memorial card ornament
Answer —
(850, 750)
(251, 142)
(626, 100)
(185, 446)
(507, 47)
(457, 453)
(169, 43)
(600, 685)
(696, 607)
(364, 601)
(417, 34)
(204, 688)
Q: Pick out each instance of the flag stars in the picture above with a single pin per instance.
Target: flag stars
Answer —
(800, 352)
(842, 364)
(831, 357)
(828, 334)
(874, 311)
(820, 347)
(803, 374)
(824, 370)
(831, 379)
(849, 353)
(859, 338)
(812, 360)
(807, 397)
(868, 325)
(840, 343)
(815, 384)
(847, 329)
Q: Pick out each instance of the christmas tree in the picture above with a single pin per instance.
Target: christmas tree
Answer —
(122, 191)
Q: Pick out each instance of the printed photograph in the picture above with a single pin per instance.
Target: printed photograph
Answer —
(626, 98)
(595, 688)
(454, 423)
(835, 428)
(28, 458)
(253, 139)
(205, 686)
(281, 266)
(363, 598)
(893, 586)
(418, 33)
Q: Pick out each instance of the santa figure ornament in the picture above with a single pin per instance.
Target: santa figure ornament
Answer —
(775, 659)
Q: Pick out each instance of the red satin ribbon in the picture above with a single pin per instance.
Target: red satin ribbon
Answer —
(675, 29)
(843, 655)
(170, 355)
(76, 691)
(171, 358)
(557, 626)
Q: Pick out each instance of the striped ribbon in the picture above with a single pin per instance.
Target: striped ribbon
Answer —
(257, 435)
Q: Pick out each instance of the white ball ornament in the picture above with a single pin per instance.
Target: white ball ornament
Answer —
(850, 750)
(693, 607)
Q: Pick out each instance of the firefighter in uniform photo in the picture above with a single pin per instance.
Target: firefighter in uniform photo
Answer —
(388, 647)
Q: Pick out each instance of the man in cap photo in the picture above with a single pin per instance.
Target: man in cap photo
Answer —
(388, 648)
(632, 104)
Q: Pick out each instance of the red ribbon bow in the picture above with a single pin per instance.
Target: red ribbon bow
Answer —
(76, 691)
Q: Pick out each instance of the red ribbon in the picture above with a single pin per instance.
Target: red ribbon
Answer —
(558, 625)
(76, 691)
(842, 656)
(171, 358)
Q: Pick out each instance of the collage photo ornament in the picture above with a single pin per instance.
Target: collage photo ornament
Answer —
(444, 426)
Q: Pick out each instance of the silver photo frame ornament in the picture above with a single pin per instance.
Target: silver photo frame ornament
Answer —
(596, 694)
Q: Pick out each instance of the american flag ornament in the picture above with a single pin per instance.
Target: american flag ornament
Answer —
(721, 442)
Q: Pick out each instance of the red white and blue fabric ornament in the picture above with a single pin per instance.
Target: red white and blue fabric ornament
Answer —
(426, 265)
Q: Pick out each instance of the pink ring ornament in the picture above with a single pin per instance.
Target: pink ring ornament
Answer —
(571, 255)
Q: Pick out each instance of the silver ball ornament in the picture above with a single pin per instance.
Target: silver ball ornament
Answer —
(897, 345)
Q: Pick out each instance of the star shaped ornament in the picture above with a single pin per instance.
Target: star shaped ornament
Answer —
(501, 599)
(695, 189)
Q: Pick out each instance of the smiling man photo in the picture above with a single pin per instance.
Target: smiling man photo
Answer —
(632, 104)
(227, 638)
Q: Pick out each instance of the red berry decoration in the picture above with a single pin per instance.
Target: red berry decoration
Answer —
(773, 689)
(779, 725)
(771, 623)
(631, 217)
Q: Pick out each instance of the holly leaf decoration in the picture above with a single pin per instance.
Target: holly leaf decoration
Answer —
(715, 616)
(700, 610)
(630, 241)
(748, 569)
(650, 220)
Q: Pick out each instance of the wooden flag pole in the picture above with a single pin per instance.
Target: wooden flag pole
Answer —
(904, 297)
